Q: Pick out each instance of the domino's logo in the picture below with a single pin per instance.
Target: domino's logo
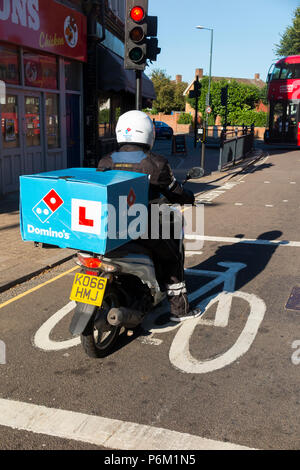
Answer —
(48, 206)
(128, 135)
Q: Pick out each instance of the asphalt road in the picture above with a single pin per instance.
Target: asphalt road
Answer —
(231, 377)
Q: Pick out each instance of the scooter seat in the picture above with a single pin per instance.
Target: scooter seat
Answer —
(130, 248)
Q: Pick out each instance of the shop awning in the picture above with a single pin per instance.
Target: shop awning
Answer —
(113, 77)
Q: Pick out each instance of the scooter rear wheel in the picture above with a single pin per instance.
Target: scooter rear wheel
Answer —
(99, 337)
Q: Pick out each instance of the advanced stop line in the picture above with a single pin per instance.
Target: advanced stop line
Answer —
(244, 240)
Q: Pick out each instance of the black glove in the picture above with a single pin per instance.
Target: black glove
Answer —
(189, 197)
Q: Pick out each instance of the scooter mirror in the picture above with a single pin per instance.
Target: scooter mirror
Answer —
(194, 173)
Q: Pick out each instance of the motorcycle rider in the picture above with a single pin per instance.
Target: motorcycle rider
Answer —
(135, 135)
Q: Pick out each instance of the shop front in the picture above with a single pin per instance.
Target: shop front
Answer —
(42, 51)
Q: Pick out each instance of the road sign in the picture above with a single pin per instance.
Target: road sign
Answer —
(208, 109)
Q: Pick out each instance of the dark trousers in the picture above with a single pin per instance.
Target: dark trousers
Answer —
(168, 257)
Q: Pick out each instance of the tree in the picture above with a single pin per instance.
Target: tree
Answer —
(241, 98)
(169, 94)
(290, 39)
(264, 94)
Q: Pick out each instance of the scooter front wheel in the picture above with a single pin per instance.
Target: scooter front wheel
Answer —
(99, 336)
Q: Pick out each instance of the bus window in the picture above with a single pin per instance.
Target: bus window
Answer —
(276, 73)
(297, 71)
(287, 72)
(291, 118)
(279, 110)
(291, 125)
(270, 73)
(284, 73)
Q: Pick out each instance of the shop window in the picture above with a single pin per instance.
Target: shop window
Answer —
(32, 121)
(73, 75)
(9, 65)
(40, 70)
(52, 120)
(10, 122)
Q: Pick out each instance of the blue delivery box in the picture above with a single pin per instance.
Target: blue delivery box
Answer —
(81, 208)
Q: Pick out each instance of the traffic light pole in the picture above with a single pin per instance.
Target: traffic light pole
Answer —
(208, 96)
(196, 122)
(203, 149)
(138, 97)
(196, 94)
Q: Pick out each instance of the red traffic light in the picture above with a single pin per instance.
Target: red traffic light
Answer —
(137, 14)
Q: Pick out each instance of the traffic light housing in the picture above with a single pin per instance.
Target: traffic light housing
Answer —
(224, 95)
(140, 31)
(196, 92)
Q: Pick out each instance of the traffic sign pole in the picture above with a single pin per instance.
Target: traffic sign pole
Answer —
(196, 111)
(138, 96)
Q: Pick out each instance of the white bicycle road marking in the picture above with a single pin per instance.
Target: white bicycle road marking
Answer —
(42, 337)
(179, 354)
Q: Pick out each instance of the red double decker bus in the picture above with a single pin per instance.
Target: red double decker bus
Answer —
(284, 101)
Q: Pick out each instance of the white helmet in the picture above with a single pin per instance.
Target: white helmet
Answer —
(135, 127)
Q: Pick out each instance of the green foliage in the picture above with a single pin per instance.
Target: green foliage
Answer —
(104, 116)
(290, 39)
(150, 110)
(248, 117)
(185, 118)
(179, 99)
(169, 94)
(117, 114)
(263, 95)
(242, 99)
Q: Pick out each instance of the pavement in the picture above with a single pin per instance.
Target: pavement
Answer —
(20, 261)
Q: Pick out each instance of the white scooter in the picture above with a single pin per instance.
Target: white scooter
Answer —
(128, 289)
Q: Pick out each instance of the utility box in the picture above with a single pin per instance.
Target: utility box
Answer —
(81, 208)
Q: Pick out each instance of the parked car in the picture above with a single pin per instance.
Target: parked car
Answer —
(163, 130)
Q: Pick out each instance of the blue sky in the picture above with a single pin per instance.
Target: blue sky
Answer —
(245, 34)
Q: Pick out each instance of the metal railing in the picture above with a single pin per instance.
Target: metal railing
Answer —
(234, 147)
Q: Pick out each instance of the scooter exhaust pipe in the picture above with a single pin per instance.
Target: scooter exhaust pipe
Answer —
(124, 317)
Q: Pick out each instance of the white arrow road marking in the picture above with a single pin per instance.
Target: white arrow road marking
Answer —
(180, 355)
(42, 337)
(105, 432)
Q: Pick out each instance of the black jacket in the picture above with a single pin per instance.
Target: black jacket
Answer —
(162, 179)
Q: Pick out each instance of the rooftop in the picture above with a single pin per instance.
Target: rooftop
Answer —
(247, 81)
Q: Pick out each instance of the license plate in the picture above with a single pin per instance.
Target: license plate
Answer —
(88, 289)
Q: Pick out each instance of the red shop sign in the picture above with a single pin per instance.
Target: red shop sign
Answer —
(44, 25)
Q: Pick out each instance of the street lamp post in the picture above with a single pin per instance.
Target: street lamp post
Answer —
(207, 102)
